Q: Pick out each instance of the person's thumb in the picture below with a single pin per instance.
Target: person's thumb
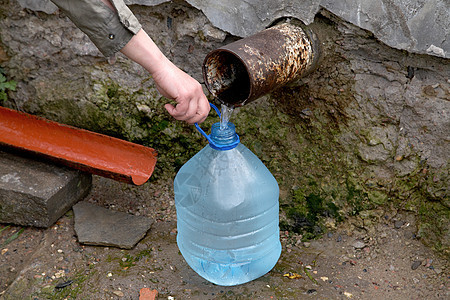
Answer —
(170, 108)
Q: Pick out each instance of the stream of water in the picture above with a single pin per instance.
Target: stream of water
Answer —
(225, 116)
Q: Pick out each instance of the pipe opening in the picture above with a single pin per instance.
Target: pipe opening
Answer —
(226, 77)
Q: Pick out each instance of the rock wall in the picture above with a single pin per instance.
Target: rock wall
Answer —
(418, 26)
(368, 130)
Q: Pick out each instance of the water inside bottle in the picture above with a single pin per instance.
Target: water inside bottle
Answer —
(225, 116)
(227, 210)
(227, 215)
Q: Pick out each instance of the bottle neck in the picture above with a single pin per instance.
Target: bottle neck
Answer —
(224, 138)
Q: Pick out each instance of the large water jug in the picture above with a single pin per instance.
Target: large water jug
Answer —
(227, 211)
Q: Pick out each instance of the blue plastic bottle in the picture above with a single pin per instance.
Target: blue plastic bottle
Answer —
(227, 211)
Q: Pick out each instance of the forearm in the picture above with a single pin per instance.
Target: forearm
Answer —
(192, 104)
(144, 51)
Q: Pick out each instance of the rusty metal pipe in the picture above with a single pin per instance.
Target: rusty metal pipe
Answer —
(249, 68)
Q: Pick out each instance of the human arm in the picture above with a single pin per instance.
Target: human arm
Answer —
(112, 27)
(192, 105)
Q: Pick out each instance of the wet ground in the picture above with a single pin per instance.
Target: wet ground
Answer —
(357, 260)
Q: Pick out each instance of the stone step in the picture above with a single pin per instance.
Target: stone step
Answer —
(38, 193)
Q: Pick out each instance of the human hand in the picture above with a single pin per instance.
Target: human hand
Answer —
(192, 105)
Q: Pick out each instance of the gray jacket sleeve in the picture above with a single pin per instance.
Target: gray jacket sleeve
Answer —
(109, 30)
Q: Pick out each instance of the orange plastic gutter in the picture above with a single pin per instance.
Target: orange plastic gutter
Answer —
(77, 148)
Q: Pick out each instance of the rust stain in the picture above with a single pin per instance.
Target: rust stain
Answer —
(77, 148)
(245, 70)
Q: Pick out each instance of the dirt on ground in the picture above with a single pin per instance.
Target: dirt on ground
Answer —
(357, 260)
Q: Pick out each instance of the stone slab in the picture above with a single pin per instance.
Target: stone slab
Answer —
(36, 193)
(95, 225)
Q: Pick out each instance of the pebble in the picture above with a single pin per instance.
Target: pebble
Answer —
(307, 244)
(348, 295)
(358, 245)
(438, 271)
(59, 274)
(398, 224)
(119, 293)
(416, 264)
(339, 238)
(409, 235)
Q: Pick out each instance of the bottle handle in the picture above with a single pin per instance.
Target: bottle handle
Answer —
(201, 130)
(211, 142)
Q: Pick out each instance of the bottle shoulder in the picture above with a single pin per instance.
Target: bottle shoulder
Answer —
(239, 158)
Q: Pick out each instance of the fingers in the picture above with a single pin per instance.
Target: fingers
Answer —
(192, 105)
(204, 109)
(193, 111)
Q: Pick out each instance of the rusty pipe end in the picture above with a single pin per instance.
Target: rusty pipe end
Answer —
(247, 69)
(226, 77)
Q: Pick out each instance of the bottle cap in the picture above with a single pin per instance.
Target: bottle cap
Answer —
(221, 139)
